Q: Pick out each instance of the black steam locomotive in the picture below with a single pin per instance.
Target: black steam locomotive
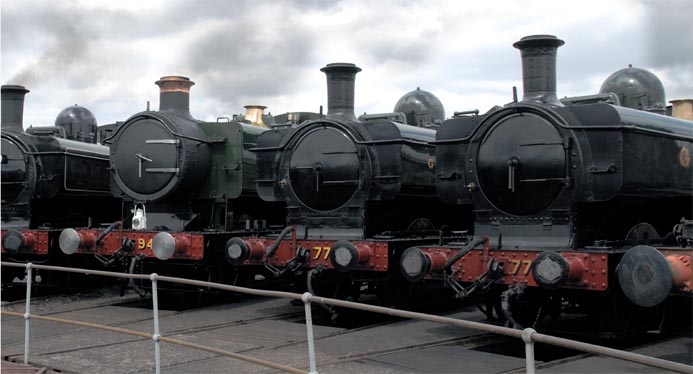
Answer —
(186, 185)
(570, 198)
(48, 181)
(357, 193)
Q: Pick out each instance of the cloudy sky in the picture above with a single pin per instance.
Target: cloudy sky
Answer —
(106, 55)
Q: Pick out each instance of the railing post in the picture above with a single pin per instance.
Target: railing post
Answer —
(309, 326)
(529, 350)
(156, 336)
(27, 311)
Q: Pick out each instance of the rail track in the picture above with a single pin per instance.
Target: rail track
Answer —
(269, 329)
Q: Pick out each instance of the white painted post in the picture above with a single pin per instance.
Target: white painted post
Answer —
(27, 311)
(156, 336)
(529, 350)
(309, 326)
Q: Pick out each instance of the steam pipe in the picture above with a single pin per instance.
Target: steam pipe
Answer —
(461, 253)
(539, 68)
(341, 79)
(110, 228)
(280, 238)
(13, 107)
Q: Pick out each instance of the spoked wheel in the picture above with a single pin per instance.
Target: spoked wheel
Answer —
(642, 233)
(421, 226)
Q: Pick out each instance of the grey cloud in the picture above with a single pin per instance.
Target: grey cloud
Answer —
(241, 60)
(410, 48)
(669, 33)
(192, 11)
(414, 51)
(70, 42)
(317, 4)
(588, 54)
(241, 54)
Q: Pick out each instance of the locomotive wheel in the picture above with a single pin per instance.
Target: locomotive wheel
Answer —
(77, 219)
(642, 233)
(421, 226)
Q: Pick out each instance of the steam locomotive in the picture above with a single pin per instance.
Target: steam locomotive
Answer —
(52, 177)
(527, 207)
(358, 192)
(185, 184)
(569, 203)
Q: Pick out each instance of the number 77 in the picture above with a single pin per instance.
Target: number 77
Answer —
(319, 250)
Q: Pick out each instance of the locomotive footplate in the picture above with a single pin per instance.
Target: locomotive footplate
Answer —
(545, 269)
(186, 246)
(368, 254)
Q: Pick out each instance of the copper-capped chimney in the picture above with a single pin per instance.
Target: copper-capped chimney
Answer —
(253, 113)
(539, 68)
(340, 90)
(174, 95)
(13, 107)
(682, 108)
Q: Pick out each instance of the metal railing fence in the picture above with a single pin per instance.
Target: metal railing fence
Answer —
(528, 336)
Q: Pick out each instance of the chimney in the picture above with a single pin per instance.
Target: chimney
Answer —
(174, 95)
(13, 107)
(539, 68)
(340, 90)
(253, 113)
(682, 109)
